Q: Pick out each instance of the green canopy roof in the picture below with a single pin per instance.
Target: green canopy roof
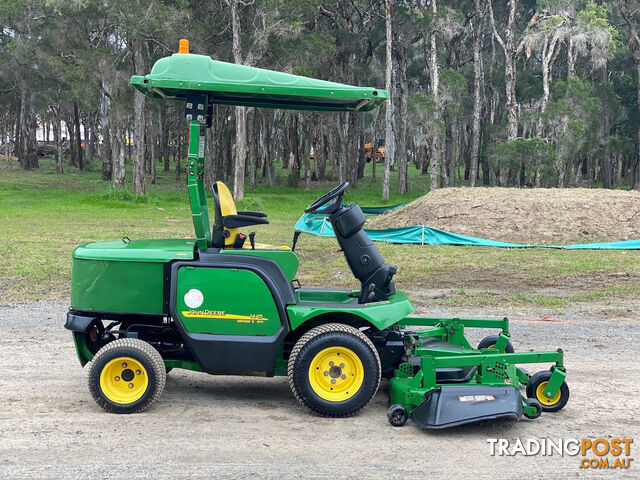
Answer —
(227, 83)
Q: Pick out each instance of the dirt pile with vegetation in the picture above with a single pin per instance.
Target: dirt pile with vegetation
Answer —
(540, 215)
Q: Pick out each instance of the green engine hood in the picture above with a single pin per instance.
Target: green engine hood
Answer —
(227, 83)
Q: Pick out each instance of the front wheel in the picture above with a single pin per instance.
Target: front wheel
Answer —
(334, 370)
(535, 389)
(490, 342)
(126, 376)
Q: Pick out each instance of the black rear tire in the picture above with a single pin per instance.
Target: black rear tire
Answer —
(315, 367)
(126, 376)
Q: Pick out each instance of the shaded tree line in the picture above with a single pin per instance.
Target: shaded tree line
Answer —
(482, 92)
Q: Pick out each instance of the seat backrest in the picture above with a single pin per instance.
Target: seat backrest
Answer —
(224, 205)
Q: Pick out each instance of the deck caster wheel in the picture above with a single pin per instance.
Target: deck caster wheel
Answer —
(535, 389)
(397, 415)
(126, 376)
(531, 402)
(334, 370)
(490, 342)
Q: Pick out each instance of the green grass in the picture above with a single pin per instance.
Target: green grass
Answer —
(45, 216)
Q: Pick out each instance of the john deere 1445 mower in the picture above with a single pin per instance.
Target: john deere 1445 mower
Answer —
(224, 304)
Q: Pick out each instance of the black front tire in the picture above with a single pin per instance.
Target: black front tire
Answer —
(146, 357)
(535, 387)
(310, 347)
(532, 402)
(397, 415)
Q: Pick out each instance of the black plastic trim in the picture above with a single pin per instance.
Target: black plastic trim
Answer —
(78, 323)
(122, 317)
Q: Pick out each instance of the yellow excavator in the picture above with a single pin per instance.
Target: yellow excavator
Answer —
(376, 151)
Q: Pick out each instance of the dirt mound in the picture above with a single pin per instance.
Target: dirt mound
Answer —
(543, 215)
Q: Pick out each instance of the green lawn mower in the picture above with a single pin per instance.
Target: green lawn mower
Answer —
(225, 305)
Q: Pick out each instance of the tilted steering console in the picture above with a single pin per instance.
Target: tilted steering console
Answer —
(366, 263)
(335, 194)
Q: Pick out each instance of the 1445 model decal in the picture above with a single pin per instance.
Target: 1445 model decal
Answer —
(221, 314)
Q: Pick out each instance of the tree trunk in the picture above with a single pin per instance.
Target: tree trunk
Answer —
(401, 152)
(107, 159)
(306, 153)
(151, 143)
(73, 146)
(32, 144)
(571, 58)
(294, 168)
(139, 184)
(164, 137)
(510, 57)
(241, 112)
(253, 151)
(118, 155)
(57, 135)
(477, 95)
(435, 85)
(177, 155)
(447, 168)
(268, 153)
(388, 127)
(78, 136)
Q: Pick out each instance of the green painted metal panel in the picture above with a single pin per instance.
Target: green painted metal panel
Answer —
(231, 84)
(117, 286)
(137, 250)
(82, 349)
(320, 302)
(225, 301)
(287, 259)
(195, 176)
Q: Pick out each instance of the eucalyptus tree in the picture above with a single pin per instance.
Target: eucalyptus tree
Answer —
(631, 14)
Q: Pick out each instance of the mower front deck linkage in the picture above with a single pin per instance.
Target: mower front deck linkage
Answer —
(488, 383)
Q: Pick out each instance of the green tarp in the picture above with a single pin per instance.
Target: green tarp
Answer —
(421, 234)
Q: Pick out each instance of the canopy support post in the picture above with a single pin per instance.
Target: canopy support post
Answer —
(195, 183)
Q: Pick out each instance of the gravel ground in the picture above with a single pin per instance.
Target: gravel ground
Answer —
(233, 427)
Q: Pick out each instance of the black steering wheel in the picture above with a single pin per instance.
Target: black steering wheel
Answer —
(335, 194)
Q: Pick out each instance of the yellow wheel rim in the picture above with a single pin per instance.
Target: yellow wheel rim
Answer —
(123, 380)
(543, 399)
(336, 374)
(491, 346)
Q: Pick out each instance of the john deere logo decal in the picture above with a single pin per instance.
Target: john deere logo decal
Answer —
(193, 298)
(222, 315)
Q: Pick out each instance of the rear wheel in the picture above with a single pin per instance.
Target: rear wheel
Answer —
(126, 376)
(334, 370)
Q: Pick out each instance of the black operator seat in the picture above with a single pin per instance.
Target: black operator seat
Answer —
(228, 221)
